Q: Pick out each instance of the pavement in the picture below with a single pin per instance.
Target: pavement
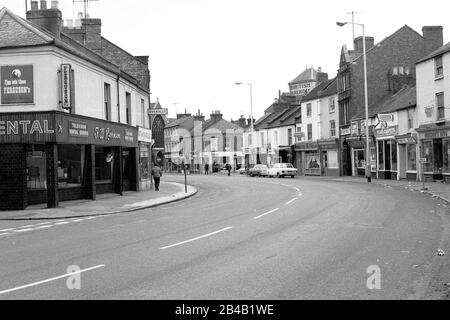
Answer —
(106, 204)
(439, 190)
(239, 238)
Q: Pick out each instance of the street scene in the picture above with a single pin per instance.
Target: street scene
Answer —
(140, 160)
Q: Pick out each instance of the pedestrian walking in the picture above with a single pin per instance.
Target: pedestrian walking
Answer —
(229, 168)
(156, 174)
(207, 168)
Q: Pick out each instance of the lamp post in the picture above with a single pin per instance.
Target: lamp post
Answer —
(251, 112)
(366, 101)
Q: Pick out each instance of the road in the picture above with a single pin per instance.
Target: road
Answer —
(238, 238)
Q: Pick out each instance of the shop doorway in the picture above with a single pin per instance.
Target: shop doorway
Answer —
(437, 155)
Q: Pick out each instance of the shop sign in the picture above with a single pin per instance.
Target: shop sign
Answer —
(345, 131)
(129, 136)
(354, 128)
(389, 131)
(144, 135)
(306, 146)
(154, 112)
(328, 144)
(435, 134)
(65, 86)
(144, 152)
(16, 84)
(105, 133)
(406, 140)
(386, 117)
(78, 129)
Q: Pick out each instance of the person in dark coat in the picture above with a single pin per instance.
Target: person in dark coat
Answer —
(156, 174)
(229, 168)
(207, 168)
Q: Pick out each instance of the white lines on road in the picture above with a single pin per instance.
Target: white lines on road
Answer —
(289, 202)
(50, 280)
(196, 238)
(23, 230)
(296, 189)
(265, 214)
(6, 230)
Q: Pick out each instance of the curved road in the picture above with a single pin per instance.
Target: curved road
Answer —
(238, 238)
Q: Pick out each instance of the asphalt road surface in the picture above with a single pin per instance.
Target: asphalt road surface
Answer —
(238, 238)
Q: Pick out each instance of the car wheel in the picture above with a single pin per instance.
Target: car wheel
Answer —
(292, 177)
(259, 175)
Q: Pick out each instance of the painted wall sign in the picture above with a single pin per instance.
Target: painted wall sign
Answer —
(345, 131)
(406, 140)
(16, 84)
(435, 134)
(354, 128)
(389, 131)
(386, 117)
(78, 129)
(66, 100)
(27, 127)
(129, 136)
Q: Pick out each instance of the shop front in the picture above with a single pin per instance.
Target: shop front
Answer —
(357, 147)
(145, 144)
(387, 152)
(329, 157)
(308, 158)
(435, 151)
(407, 157)
(47, 157)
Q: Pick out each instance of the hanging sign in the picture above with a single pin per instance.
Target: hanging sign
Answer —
(16, 84)
(65, 87)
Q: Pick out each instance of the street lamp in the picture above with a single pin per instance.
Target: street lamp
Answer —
(366, 101)
(251, 112)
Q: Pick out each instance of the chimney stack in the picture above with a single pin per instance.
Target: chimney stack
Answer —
(321, 76)
(358, 43)
(55, 4)
(49, 19)
(216, 116)
(433, 38)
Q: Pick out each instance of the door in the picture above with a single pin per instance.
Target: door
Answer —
(324, 166)
(437, 154)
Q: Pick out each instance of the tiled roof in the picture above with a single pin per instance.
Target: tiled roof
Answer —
(305, 76)
(178, 122)
(404, 98)
(444, 49)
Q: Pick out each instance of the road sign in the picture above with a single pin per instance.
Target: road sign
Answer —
(154, 112)
(386, 117)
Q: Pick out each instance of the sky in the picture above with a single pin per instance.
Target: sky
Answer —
(199, 49)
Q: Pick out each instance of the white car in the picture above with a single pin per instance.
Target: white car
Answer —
(282, 170)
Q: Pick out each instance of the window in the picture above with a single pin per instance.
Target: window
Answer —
(128, 107)
(344, 112)
(289, 137)
(249, 140)
(411, 164)
(333, 162)
(104, 160)
(70, 165)
(427, 153)
(332, 128)
(308, 110)
(143, 113)
(345, 81)
(107, 99)
(395, 71)
(380, 155)
(410, 119)
(440, 105)
(143, 161)
(310, 131)
(445, 156)
(331, 108)
(393, 147)
(439, 69)
(262, 139)
(36, 167)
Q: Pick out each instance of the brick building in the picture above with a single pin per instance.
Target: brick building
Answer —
(397, 52)
(73, 124)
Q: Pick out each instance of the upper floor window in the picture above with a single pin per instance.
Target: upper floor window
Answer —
(344, 81)
(440, 105)
(410, 119)
(128, 107)
(310, 131)
(332, 128)
(344, 112)
(289, 137)
(332, 105)
(143, 112)
(439, 69)
(107, 101)
(308, 110)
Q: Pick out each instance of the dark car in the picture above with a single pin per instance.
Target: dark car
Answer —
(256, 170)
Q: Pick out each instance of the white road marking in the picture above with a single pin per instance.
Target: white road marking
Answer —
(300, 194)
(196, 238)
(42, 223)
(44, 227)
(26, 227)
(51, 279)
(4, 234)
(289, 202)
(6, 230)
(90, 218)
(77, 220)
(265, 214)
(61, 223)
(23, 230)
(296, 189)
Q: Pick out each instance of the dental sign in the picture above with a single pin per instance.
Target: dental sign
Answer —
(16, 84)
(65, 87)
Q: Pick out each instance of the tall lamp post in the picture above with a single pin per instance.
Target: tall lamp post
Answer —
(251, 112)
(366, 101)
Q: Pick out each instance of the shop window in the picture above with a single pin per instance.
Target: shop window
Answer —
(36, 167)
(126, 164)
(289, 137)
(143, 161)
(333, 162)
(445, 156)
(359, 158)
(312, 162)
(380, 155)
(104, 160)
(70, 165)
(393, 147)
(373, 159)
(411, 157)
(427, 153)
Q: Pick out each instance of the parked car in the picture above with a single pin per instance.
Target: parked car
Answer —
(256, 170)
(281, 170)
(242, 170)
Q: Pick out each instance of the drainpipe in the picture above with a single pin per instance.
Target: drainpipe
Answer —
(118, 97)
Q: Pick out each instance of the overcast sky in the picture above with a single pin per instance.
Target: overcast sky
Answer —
(199, 48)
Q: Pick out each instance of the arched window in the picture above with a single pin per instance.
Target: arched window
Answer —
(158, 131)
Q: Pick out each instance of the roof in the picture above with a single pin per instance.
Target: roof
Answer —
(323, 89)
(23, 33)
(444, 49)
(178, 122)
(309, 74)
(403, 99)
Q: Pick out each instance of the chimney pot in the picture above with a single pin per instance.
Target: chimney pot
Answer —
(43, 4)
(69, 23)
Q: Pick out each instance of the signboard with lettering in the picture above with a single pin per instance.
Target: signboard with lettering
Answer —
(354, 128)
(16, 84)
(435, 134)
(345, 131)
(386, 117)
(78, 129)
(384, 132)
(144, 135)
(306, 146)
(154, 112)
(65, 87)
(27, 128)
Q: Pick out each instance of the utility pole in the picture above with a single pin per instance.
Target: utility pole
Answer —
(353, 23)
